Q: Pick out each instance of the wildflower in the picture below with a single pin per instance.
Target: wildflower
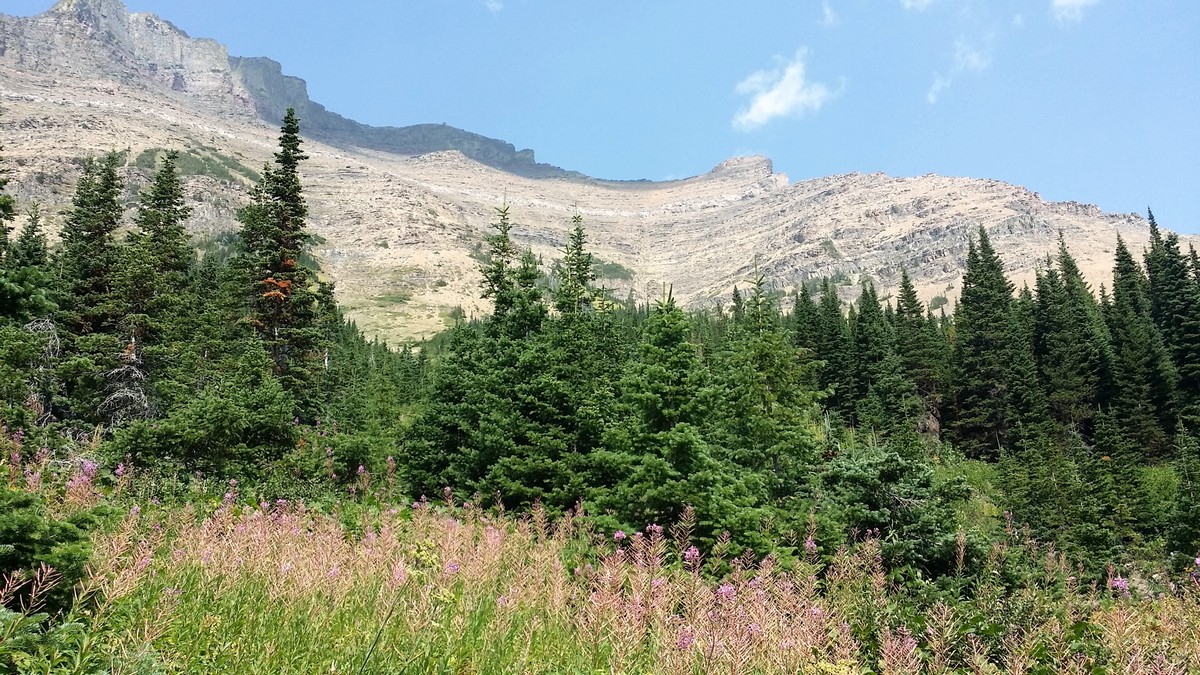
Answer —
(135, 511)
(399, 574)
(233, 482)
(120, 471)
(692, 555)
(502, 601)
(361, 470)
(619, 536)
(810, 546)
(1197, 562)
(654, 529)
(754, 629)
(142, 563)
(726, 592)
(787, 645)
(1120, 584)
(451, 567)
(334, 572)
(658, 582)
(687, 638)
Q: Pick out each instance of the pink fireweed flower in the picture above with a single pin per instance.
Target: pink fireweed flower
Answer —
(361, 470)
(135, 511)
(754, 629)
(654, 529)
(692, 555)
(334, 572)
(120, 470)
(685, 640)
(619, 536)
(502, 601)
(451, 568)
(1120, 584)
(810, 546)
(726, 592)
(658, 582)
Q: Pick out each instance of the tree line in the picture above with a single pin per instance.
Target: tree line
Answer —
(781, 424)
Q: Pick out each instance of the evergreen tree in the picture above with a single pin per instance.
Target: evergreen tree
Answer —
(88, 253)
(805, 319)
(994, 382)
(834, 346)
(922, 351)
(283, 297)
(1175, 307)
(1184, 534)
(885, 397)
(1143, 390)
(1071, 345)
(574, 273)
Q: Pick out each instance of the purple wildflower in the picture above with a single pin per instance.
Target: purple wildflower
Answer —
(451, 567)
(361, 470)
(726, 592)
(1119, 584)
(810, 546)
(619, 536)
(654, 529)
(120, 471)
(692, 555)
(687, 638)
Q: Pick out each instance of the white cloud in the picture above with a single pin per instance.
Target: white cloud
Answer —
(935, 90)
(1070, 10)
(828, 16)
(782, 92)
(967, 59)
(493, 5)
(918, 5)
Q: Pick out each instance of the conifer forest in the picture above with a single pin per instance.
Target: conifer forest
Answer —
(206, 468)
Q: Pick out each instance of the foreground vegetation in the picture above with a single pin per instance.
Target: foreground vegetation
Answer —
(206, 468)
(222, 585)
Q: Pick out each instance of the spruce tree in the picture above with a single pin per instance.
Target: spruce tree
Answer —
(1143, 387)
(1071, 345)
(995, 390)
(885, 397)
(88, 252)
(283, 297)
(574, 273)
(834, 346)
(922, 351)
(1175, 307)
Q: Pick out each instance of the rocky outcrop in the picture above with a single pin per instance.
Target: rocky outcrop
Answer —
(403, 212)
(101, 39)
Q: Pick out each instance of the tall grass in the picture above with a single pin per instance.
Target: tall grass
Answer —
(452, 589)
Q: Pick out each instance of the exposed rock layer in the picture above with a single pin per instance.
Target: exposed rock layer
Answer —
(401, 216)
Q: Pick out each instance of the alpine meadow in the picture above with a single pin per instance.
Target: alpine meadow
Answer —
(829, 458)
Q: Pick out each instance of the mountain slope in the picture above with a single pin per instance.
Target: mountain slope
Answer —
(401, 220)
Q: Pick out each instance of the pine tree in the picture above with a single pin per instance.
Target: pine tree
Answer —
(1175, 307)
(8, 210)
(574, 273)
(498, 270)
(834, 347)
(922, 351)
(1143, 388)
(805, 319)
(994, 381)
(1071, 345)
(885, 397)
(88, 253)
(1183, 536)
(283, 297)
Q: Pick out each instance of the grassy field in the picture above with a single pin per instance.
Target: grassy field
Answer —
(229, 586)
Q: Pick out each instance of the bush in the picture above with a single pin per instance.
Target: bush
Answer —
(30, 536)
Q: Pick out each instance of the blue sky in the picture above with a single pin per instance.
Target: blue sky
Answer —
(1092, 100)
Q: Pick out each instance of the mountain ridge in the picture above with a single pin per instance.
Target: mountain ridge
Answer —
(403, 232)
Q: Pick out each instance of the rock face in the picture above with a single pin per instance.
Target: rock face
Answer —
(403, 212)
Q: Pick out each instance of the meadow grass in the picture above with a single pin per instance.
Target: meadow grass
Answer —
(232, 587)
